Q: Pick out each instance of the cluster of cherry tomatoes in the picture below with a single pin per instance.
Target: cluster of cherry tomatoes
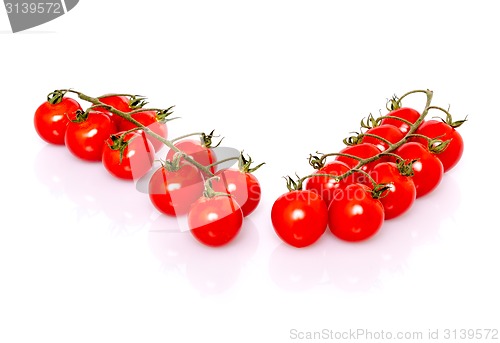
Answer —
(118, 131)
(396, 159)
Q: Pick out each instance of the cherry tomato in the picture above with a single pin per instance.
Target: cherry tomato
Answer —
(407, 113)
(299, 217)
(401, 194)
(427, 170)
(438, 129)
(196, 150)
(86, 139)
(215, 221)
(243, 187)
(173, 192)
(325, 186)
(121, 103)
(354, 215)
(128, 157)
(51, 120)
(363, 150)
(388, 132)
(149, 119)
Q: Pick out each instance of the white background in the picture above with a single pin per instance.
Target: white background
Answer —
(86, 258)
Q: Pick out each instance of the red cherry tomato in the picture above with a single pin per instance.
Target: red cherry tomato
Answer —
(149, 119)
(198, 152)
(438, 129)
(388, 132)
(363, 150)
(130, 157)
(354, 215)
(325, 186)
(86, 139)
(173, 192)
(215, 221)
(401, 194)
(51, 120)
(119, 102)
(243, 187)
(407, 113)
(299, 217)
(428, 170)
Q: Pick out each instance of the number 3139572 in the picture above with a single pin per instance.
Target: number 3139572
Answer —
(32, 7)
(478, 334)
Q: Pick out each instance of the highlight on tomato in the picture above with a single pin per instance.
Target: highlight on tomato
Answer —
(86, 135)
(299, 217)
(355, 213)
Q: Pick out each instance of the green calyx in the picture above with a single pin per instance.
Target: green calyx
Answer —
(162, 115)
(355, 139)
(206, 140)
(174, 164)
(405, 167)
(437, 146)
(369, 122)
(55, 97)
(209, 191)
(316, 162)
(293, 185)
(380, 190)
(119, 143)
(136, 102)
(454, 124)
(393, 104)
(81, 116)
(245, 165)
(449, 119)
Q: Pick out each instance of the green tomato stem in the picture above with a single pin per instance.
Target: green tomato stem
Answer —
(127, 116)
(392, 146)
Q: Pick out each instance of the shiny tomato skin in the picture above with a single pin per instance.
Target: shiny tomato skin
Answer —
(453, 152)
(325, 186)
(299, 217)
(243, 187)
(86, 139)
(198, 152)
(121, 103)
(354, 215)
(215, 221)
(402, 192)
(362, 150)
(136, 160)
(389, 132)
(51, 120)
(173, 192)
(147, 118)
(427, 170)
(407, 113)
